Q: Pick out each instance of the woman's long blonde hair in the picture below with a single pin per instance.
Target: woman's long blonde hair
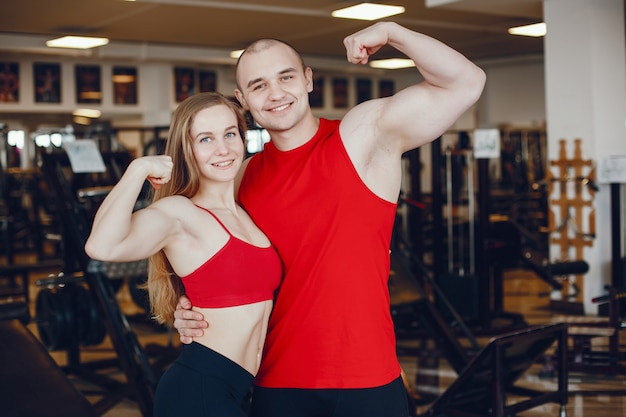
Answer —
(164, 286)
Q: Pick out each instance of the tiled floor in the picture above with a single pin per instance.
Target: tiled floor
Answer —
(524, 294)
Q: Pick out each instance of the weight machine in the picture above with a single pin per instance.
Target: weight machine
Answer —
(487, 376)
(62, 298)
(463, 262)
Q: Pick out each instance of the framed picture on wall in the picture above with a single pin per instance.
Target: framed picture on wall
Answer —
(88, 84)
(316, 97)
(47, 82)
(385, 88)
(207, 81)
(363, 89)
(340, 93)
(124, 85)
(184, 83)
(9, 82)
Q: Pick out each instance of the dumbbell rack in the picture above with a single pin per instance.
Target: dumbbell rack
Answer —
(141, 378)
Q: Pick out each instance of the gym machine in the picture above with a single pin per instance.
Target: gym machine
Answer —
(585, 356)
(66, 299)
(466, 275)
(487, 376)
(486, 384)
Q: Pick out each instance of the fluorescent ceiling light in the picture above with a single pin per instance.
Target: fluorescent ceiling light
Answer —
(536, 30)
(393, 63)
(368, 11)
(236, 54)
(76, 42)
(91, 113)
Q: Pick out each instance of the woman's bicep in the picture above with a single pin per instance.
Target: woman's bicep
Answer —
(149, 232)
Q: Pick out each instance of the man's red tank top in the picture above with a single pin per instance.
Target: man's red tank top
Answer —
(331, 325)
(239, 273)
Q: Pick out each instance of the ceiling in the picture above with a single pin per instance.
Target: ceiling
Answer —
(477, 28)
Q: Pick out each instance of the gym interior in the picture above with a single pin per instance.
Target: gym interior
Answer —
(507, 280)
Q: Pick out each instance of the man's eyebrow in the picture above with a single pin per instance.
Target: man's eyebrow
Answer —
(256, 80)
(252, 82)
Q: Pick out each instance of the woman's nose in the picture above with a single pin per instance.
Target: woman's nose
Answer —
(220, 147)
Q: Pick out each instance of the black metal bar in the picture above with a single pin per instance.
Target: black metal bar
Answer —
(416, 215)
(617, 267)
(437, 205)
(483, 273)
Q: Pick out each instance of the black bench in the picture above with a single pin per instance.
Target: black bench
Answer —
(33, 385)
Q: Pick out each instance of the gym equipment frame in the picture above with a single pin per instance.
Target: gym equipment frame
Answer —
(141, 378)
(487, 384)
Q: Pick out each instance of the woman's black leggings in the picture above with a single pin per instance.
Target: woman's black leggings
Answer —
(202, 383)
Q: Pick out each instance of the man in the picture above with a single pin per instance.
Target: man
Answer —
(325, 193)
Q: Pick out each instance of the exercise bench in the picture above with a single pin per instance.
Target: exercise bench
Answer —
(33, 385)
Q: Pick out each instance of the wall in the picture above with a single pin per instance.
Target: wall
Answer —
(514, 93)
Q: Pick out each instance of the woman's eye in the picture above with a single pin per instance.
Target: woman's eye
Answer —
(204, 140)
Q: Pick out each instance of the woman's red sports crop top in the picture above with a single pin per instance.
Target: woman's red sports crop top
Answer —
(239, 273)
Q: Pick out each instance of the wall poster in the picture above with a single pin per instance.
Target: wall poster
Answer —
(207, 80)
(340, 93)
(363, 89)
(47, 80)
(88, 84)
(124, 85)
(184, 83)
(316, 97)
(385, 88)
(9, 82)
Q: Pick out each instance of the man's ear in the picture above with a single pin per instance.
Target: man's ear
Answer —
(308, 76)
(241, 99)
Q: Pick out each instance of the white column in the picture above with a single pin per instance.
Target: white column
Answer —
(585, 68)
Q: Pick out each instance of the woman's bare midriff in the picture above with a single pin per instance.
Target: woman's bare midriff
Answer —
(237, 333)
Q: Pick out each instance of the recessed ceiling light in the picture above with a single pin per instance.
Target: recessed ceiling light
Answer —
(435, 3)
(536, 30)
(393, 63)
(76, 42)
(368, 11)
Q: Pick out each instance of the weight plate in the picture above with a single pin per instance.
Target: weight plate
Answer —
(91, 330)
(54, 317)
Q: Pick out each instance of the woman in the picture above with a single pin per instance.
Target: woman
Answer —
(200, 242)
